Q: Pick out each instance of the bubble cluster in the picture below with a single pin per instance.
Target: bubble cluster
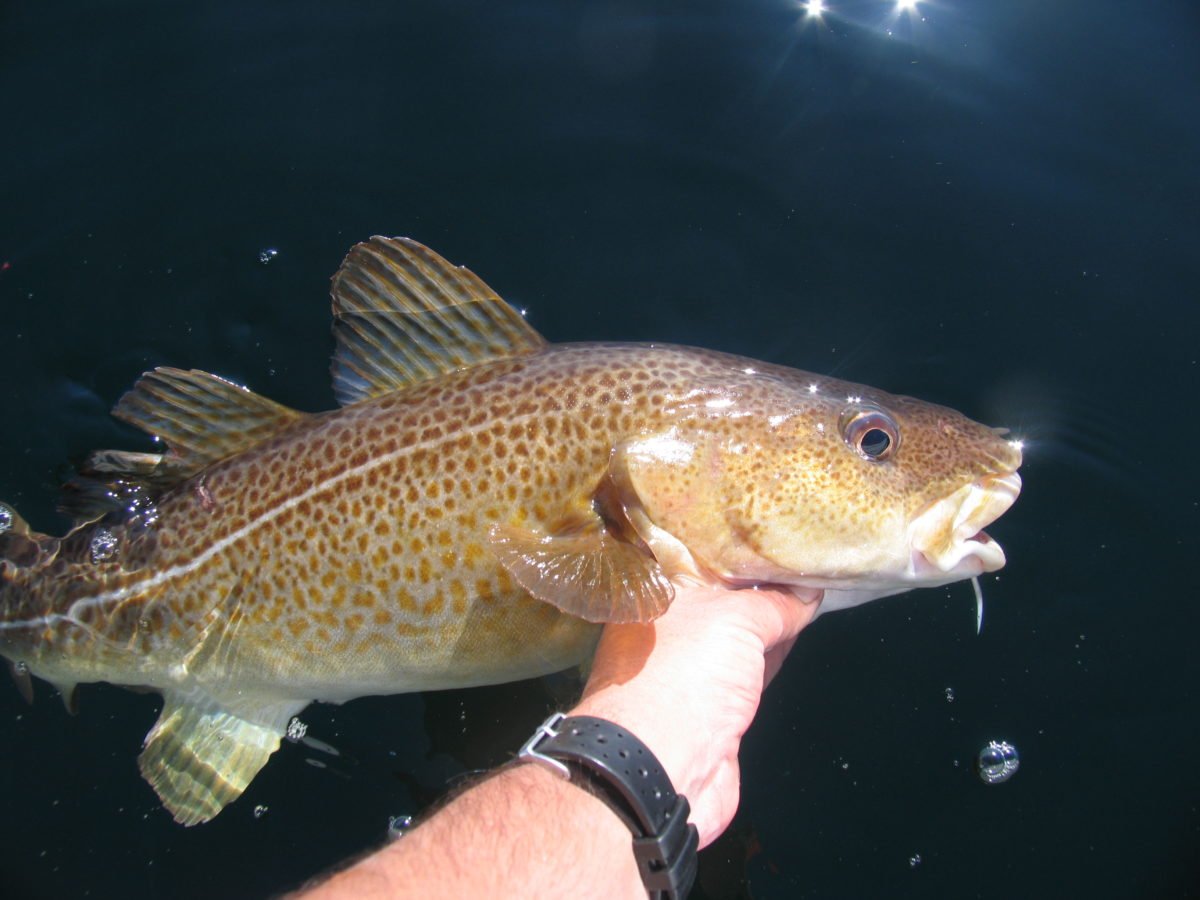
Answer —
(997, 762)
(104, 545)
(296, 729)
(266, 255)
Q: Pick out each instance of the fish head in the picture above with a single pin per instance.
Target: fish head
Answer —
(783, 478)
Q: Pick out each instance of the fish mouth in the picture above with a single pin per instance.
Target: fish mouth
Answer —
(948, 541)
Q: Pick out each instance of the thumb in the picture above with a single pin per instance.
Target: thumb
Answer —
(779, 616)
(775, 657)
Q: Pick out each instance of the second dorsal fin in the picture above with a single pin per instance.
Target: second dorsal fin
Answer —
(402, 314)
(201, 417)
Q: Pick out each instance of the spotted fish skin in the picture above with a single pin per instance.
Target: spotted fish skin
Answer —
(349, 554)
(481, 504)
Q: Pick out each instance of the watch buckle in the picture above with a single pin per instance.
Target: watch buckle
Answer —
(545, 731)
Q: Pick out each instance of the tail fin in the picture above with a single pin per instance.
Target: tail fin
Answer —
(20, 548)
(15, 547)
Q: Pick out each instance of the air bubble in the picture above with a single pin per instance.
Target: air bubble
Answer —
(7, 517)
(914, 860)
(997, 762)
(260, 811)
(949, 695)
(398, 826)
(104, 545)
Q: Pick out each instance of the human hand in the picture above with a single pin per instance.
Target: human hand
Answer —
(689, 683)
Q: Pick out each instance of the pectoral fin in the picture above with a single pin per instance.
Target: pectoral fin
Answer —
(589, 574)
(199, 756)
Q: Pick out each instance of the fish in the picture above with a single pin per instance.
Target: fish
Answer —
(477, 507)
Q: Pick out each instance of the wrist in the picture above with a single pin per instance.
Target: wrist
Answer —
(608, 761)
(675, 752)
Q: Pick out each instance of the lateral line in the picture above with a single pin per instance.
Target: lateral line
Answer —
(187, 568)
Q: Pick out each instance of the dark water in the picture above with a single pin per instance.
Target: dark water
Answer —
(990, 205)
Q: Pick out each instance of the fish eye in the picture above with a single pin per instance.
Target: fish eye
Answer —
(871, 433)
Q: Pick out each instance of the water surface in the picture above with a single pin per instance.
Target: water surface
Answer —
(993, 206)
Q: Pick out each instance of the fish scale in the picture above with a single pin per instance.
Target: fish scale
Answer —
(477, 509)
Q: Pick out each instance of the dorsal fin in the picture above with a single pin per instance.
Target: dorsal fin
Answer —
(114, 480)
(201, 417)
(402, 314)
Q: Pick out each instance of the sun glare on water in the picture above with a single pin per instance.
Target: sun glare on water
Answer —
(814, 9)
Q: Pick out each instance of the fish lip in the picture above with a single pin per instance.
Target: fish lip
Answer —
(948, 541)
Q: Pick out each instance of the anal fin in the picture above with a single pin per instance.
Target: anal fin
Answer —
(199, 756)
(66, 690)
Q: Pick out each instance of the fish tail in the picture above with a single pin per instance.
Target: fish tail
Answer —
(40, 579)
(22, 550)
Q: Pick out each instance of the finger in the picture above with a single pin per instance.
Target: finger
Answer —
(775, 657)
(717, 804)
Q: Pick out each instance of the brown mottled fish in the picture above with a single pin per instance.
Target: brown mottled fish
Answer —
(481, 502)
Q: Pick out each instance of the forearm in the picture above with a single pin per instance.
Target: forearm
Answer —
(521, 832)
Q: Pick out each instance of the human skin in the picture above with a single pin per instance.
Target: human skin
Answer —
(688, 685)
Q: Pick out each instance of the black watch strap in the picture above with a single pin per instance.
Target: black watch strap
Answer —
(623, 772)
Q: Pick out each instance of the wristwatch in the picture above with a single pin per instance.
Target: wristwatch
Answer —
(620, 770)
